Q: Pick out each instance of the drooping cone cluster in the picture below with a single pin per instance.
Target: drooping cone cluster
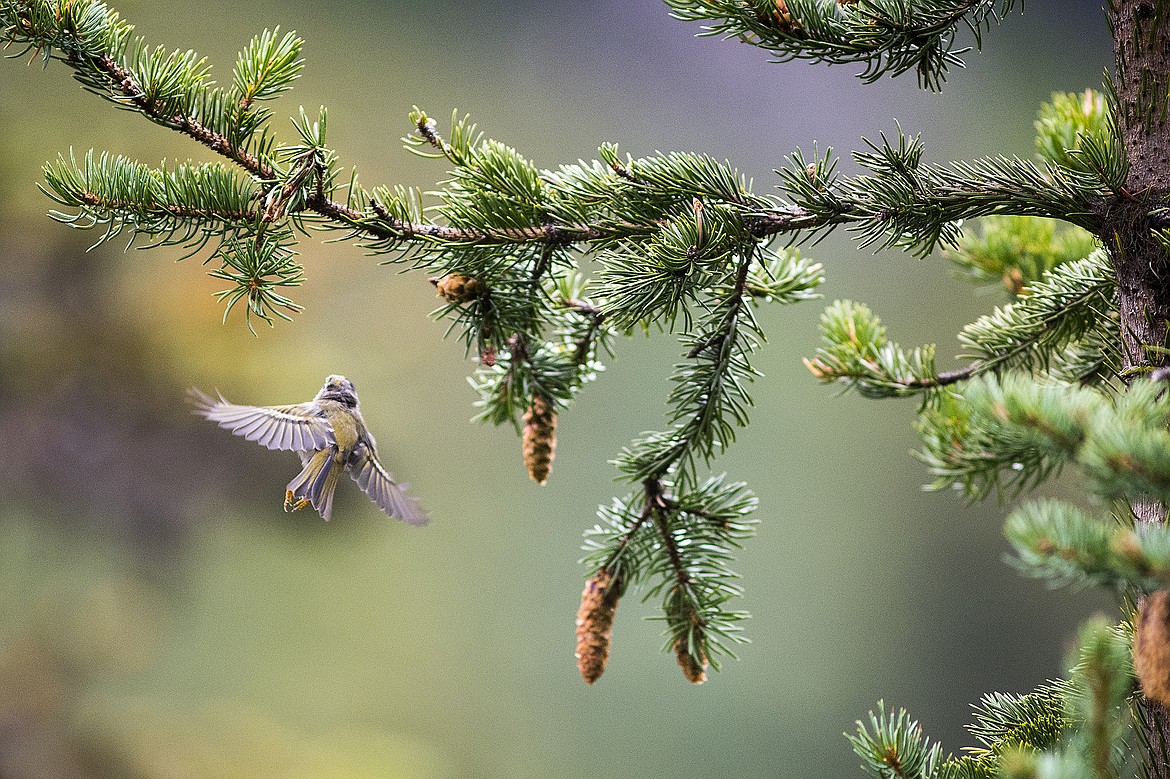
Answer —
(694, 668)
(599, 602)
(539, 440)
(1151, 646)
(457, 288)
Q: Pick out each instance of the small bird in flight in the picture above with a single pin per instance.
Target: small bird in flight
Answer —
(330, 435)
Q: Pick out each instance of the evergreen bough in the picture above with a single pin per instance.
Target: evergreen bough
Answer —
(1070, 371)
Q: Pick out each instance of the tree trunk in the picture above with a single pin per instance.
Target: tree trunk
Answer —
(1141, 44)
(1142, 80)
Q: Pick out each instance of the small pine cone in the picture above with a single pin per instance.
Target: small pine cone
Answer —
(599, 602)
(457, 288)
(1151, 647)
(539, 441)
(694, 668)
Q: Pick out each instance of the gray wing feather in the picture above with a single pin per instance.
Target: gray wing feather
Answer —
(297, 428)
(381, 488)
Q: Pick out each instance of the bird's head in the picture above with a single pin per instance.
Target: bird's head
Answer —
(340, 389)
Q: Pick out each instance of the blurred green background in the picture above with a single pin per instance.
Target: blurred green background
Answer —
(161, 617)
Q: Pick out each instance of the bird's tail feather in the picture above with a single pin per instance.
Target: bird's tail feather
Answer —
(317, 481)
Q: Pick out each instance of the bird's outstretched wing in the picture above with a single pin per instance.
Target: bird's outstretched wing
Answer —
(297, 428)
(386, 493)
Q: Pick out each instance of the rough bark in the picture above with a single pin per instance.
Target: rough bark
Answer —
(1142, 83)
(1141, 35)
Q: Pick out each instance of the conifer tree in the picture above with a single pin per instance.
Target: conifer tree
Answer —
(1071, 371)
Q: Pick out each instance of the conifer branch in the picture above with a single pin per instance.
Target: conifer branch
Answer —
(126, 88)
(885, 39)
(892, 746)
(1005, 725)
(1017, 251)
(386, 226)
(1014, 433)
(858, 354)
(1059, 309)
(1004, 435)
(915, 206)
(1076, 728)
(1005, 722)
(705, 394)
(1065, 546)
(919, 207)
(707, 401)
(1063, 308)
(187, 204)
(685, 541)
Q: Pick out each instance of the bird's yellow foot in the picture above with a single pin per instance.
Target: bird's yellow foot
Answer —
(292, 502)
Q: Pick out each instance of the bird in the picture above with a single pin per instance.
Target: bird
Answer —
(330, 436)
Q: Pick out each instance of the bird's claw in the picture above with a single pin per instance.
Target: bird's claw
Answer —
(292, 502)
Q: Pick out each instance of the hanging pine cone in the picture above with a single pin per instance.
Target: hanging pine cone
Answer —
(457, 288)
(539, 441)
(599, 602)
(1151, 647)
(694, 668)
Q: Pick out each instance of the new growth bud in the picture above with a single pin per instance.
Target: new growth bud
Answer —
(599, 602)
(818, 368)
(539, 440)
(1151, 647)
